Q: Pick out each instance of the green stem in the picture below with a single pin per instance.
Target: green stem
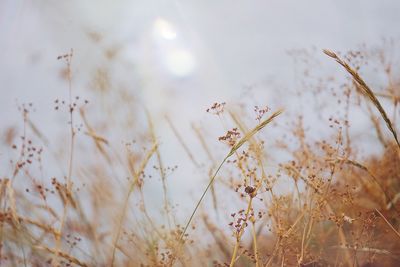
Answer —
(201, 198)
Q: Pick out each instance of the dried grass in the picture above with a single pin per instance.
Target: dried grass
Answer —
(340, 209)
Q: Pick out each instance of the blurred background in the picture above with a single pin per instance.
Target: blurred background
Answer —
(175, 59)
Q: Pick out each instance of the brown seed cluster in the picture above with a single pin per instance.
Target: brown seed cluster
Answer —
(260, 112)
(231, 137)
(216, 108)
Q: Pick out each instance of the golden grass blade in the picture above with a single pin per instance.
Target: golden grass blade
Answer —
(63, 255)
(11, 198)
(366, 90)
(203, 143)
(183, 144)
(98, 140)
(378, 129)
(135, 181)
(393, 202)
(161, 169)
(253, 132)
(233, 150)
(3, 189)
(45, 228)
(143, 165)
(96, 137)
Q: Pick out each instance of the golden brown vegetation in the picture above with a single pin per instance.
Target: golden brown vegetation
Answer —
(323, 205)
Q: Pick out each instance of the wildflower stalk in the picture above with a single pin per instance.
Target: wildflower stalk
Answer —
(240, 233)
(231, 152)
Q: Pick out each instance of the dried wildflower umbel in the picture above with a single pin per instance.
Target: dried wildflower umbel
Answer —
(230, 137)
(217, 108)
(260, 112)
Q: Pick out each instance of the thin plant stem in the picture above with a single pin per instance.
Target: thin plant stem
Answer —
(255, 246)
(201, 198)
(71, 158)
(240, 233)
(388, 223)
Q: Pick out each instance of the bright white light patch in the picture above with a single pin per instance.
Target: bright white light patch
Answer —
(180, 62)
(164, 29)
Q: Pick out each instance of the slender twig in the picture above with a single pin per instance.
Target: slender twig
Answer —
(388, 223)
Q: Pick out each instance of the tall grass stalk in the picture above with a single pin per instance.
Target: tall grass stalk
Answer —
(367, 91)
(243, 140)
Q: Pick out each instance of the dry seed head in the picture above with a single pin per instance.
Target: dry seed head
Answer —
(367, 91)
(253, 132)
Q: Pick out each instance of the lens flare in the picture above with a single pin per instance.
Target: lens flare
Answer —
(180, 62)
(164, 30)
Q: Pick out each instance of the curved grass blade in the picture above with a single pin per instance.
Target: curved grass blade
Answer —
(366, 90)
(245, 138)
